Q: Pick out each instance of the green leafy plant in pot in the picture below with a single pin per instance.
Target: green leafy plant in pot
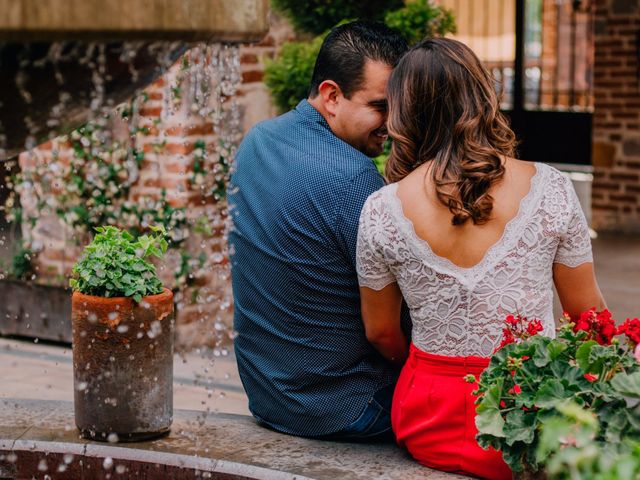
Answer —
(122, 327)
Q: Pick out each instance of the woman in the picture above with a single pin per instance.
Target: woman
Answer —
(467, 235)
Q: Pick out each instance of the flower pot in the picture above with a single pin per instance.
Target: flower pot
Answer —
(123, 366)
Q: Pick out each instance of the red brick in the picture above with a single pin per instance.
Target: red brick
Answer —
(190, 130)
(624, 177)
(181, 167)
(604, 206)
(173, 183)
(150, 182)
(606, 186)
(247, 58)
(150, 111)
(179, 148)
(624, 198)
(267, 41)
(252, 76)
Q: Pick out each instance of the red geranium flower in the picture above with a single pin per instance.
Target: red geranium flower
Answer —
(534, 327)
(516, 389)
(518, 328)
(631, 328)
(599, 326)
(511, 320)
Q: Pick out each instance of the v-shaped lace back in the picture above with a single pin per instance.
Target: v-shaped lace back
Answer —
(460, 311)
(510, 233)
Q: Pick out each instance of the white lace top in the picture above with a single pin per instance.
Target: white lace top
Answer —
(460, 311)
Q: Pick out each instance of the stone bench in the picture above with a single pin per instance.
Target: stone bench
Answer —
(39, 438)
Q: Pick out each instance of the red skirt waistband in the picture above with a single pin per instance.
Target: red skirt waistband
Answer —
(444, 365)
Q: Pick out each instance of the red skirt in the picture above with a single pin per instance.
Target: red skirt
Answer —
(433, 415)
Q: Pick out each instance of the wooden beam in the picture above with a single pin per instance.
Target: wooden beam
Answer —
(180, 20)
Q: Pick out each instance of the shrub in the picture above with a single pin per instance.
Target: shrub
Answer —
(289, 75)
(115, 264)
(22, 267)
(316, 16)
(420, 19)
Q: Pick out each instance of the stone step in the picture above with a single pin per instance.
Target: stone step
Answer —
(39, 437)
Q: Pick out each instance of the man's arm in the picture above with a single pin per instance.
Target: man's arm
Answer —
(348, 219)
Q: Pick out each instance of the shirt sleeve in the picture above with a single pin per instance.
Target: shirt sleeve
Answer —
(574, 248)
(371, 265)
(355, 194)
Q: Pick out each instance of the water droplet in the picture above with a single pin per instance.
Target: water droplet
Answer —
(112, 438)
(108, 463)
(155, 330)
(43, 466)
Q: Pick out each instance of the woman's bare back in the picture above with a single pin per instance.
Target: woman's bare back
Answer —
(464, 245)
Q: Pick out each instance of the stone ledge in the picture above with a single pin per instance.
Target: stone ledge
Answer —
(200, 445)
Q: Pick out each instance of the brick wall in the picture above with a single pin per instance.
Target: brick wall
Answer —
(205, 307)
(616, 125)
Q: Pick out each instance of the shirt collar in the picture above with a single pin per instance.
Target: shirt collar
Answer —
(305, 109)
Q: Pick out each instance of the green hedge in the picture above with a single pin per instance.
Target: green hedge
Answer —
(317, 16)
(288, 77)
(420, 19)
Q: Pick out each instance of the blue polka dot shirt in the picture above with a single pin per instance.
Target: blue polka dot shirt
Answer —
(295, 199)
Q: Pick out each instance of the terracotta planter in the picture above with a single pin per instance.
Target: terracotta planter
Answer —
(123, 366)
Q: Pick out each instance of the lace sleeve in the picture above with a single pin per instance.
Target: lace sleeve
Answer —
(373, 271)
(575, 243)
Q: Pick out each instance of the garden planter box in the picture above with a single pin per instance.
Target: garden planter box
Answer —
(36, 311)
(123, 366)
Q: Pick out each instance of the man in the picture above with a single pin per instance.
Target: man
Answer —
(295, 200)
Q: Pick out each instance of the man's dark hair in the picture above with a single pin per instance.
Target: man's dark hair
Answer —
(346, 49)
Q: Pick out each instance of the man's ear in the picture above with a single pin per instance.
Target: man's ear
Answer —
(331, 94)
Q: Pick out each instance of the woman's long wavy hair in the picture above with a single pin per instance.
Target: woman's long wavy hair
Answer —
(443, 109)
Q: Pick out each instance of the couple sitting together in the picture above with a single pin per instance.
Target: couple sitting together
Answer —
(360, 306)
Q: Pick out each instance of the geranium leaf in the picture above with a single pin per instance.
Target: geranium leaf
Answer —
(551, 391)
(627, 385)
(583, 353)
(555, 349)
(541, 356)
(490, 422)
(519, 427)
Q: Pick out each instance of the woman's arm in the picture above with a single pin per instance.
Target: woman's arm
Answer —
(577, 288)
(381, 317)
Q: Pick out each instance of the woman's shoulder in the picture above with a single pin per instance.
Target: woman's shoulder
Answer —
(554, 181)
(544, 175)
